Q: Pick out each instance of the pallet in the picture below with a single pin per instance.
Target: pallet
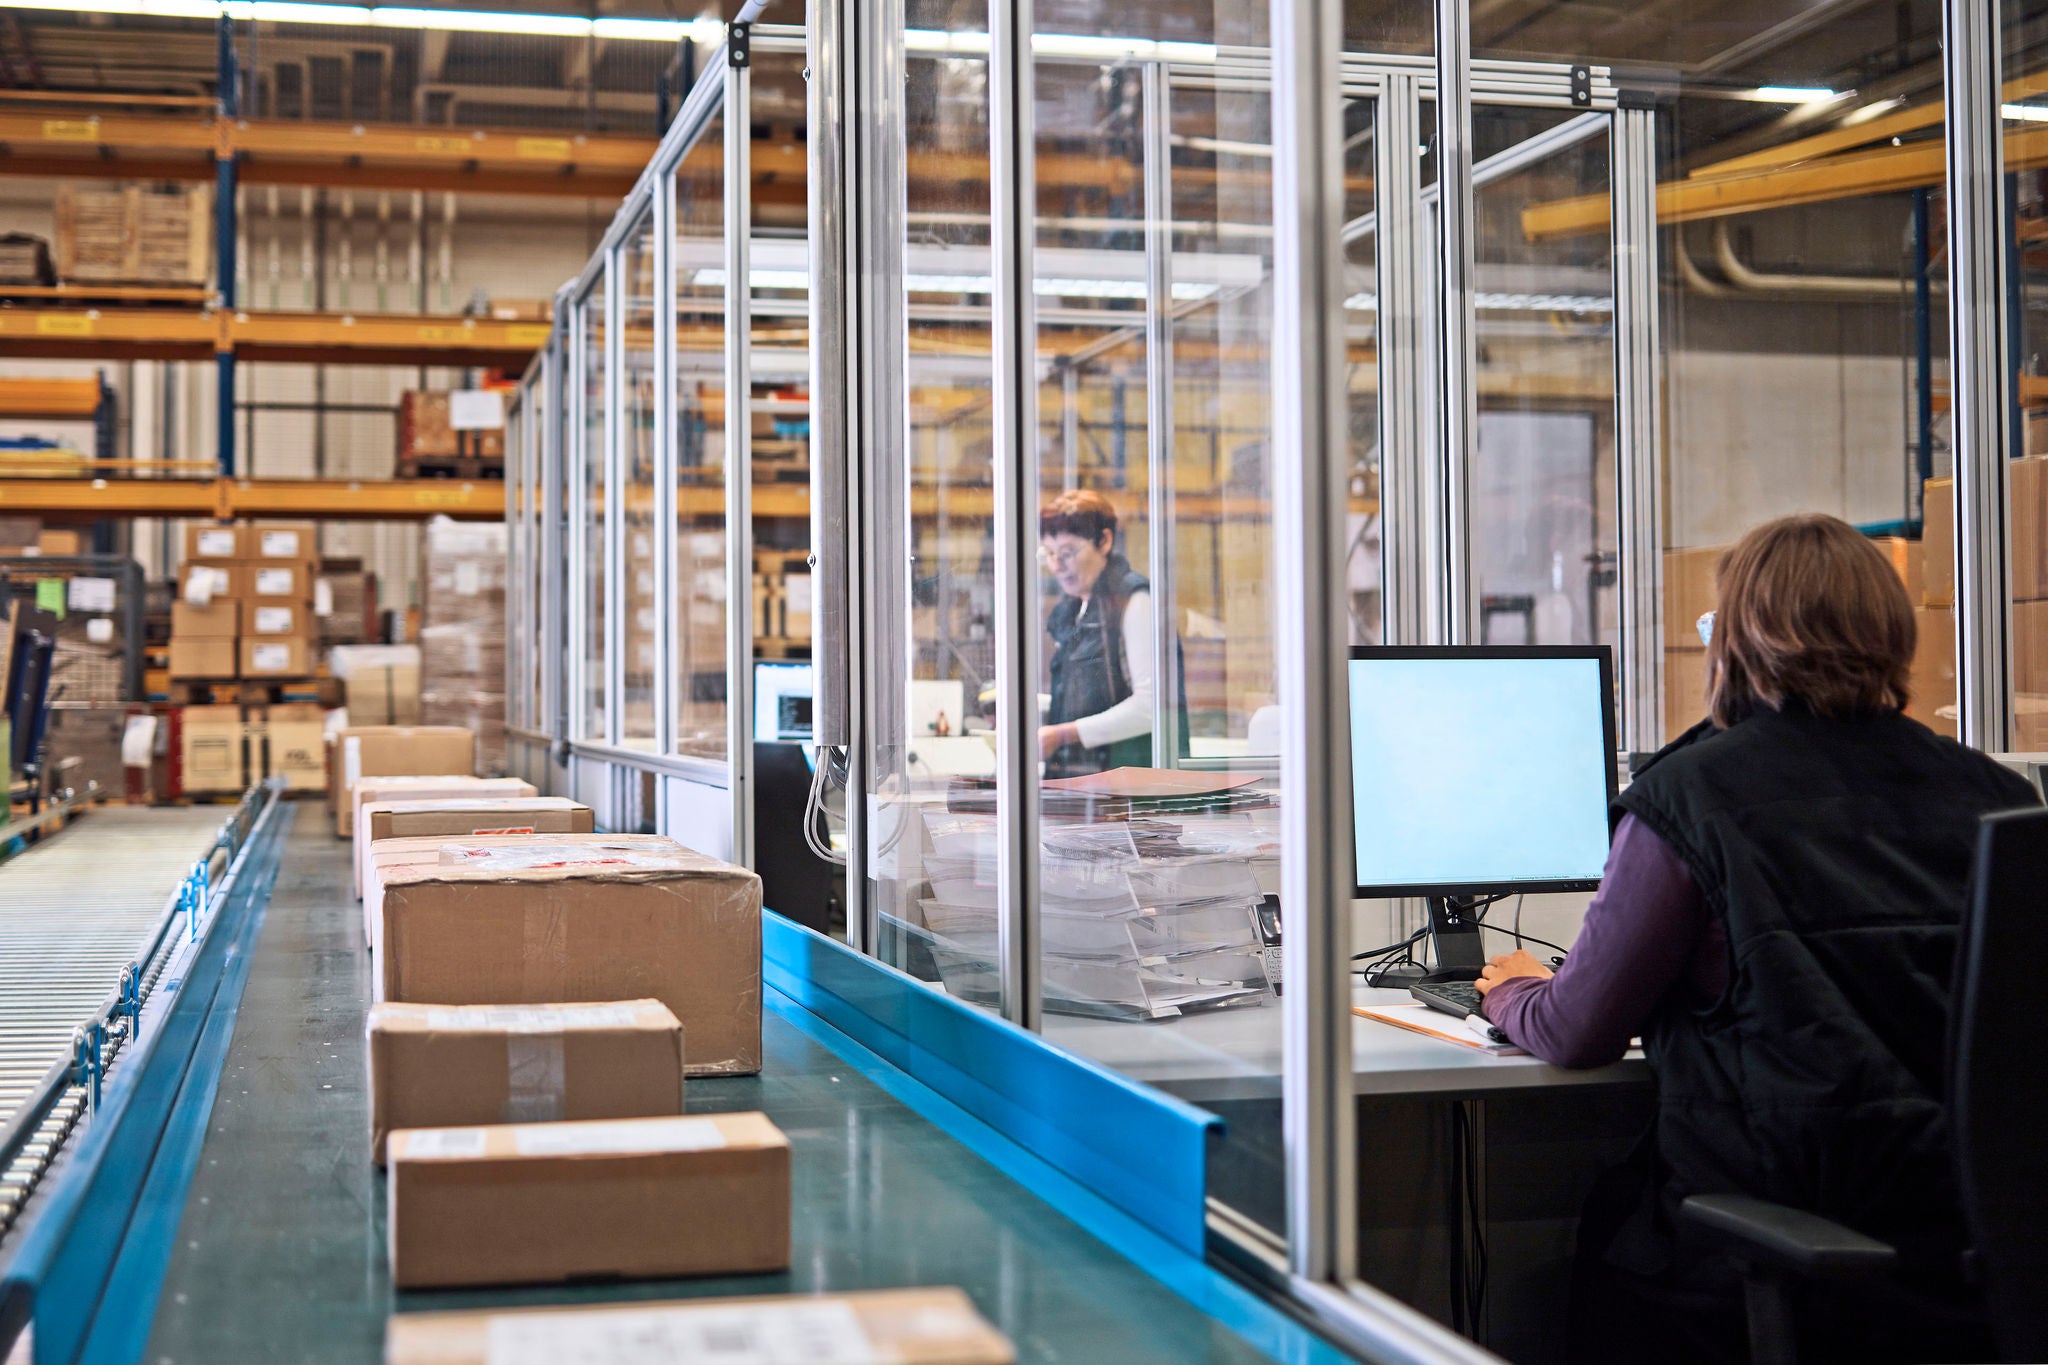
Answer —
(239, 691)
(202, 691)
(771, 648)
(472, 467)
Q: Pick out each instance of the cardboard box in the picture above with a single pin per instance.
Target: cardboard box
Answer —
(204, 540)
(2027, 491)
(210, 749)
(1909, 562)
(1688, 593)
(2030, 646)
(296, 746)
(202, 583)
(60, 542)
(461, 816)
(910, 1326)
(445, 1066)
(432, 787)
(269, 583)
(1933, 679)
(219, 619)
(393, 750)
(1938, 541)
(294, 541)
(529, 919)
(1685, 690)
(269, 618)
(539, 1203)
(384, 694)
(204, 657)
(2030, 733)
(284, 657)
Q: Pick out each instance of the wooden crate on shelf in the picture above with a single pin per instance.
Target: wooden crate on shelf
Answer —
(133, 235)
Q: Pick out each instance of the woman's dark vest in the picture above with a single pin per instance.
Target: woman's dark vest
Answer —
(1837, 852)
(1088, 674)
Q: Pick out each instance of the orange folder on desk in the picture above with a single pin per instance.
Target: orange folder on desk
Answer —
(1431, 1023)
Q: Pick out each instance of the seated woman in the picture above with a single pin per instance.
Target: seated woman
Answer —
(1777, 922)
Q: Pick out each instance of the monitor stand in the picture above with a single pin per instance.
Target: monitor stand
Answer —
(1456, 947)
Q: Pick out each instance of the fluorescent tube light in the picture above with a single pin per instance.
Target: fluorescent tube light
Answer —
(2025, 113)
(1792, 94)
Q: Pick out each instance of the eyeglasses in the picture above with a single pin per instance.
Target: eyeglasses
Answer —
(1705, 626)
(1062, 558)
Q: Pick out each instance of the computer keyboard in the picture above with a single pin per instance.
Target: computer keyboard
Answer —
(1452, 997)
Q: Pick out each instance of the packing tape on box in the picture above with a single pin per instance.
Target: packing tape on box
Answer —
(534, 1075)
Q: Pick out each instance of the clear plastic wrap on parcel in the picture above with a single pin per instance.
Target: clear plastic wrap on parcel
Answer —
(462, 633)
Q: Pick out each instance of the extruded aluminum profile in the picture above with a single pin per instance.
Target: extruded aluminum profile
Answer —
(1457, 362)
(831, 576)
(739, 459)
(1156, 125)
(1632, 152)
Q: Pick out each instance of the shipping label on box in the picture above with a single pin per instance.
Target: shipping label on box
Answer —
(278, 618)
(211, 542)
(409, 816)
(287, 582)
(925, 1326)
(297, 542)
(281, 658)
(439, 1066)
(637, 1198)
(593, 917)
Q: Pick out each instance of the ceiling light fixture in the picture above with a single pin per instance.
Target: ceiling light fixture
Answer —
(2025, 113)
(1793, 94)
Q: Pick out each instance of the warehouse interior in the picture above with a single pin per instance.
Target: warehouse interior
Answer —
(528, 538)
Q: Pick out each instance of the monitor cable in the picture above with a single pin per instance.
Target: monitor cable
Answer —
(817, 821)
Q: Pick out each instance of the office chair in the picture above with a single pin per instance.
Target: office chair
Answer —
(1998, 1106)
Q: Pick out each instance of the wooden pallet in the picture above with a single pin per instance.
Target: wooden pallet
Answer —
(472, 467)
(772, 648)
(239, 691)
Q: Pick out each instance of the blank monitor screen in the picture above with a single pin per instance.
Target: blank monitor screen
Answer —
(782, 703)
(1478, 770)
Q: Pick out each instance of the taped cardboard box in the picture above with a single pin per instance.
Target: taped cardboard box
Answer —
(1938, 541)
(527, 920)
(296, 744)
(884, 1326)
(219, 619)
(442, 1066)
(295, 541)
(206, 541)
(457, 816)
(210, 749)
(539, 1203)
(431, 787)
(1933, 677)
(389, 750)
(277, 619)
(267, 582)
(287, 656)
(204, 657)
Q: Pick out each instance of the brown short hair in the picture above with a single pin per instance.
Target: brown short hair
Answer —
(1808, 609)
(1079, 512)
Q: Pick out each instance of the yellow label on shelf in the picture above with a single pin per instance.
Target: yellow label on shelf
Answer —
(442, 333)
(71, 130)
(543, 148)
(64, 325)
(440, 497)
(535, 334)
(443, 144)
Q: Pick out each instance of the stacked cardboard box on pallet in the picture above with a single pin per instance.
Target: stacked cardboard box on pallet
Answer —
(782, 598)
(2027, 536)
(245, 603)
(133, 235)
(462, 640)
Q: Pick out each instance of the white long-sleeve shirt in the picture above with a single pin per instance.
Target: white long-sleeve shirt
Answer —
(1132, 716)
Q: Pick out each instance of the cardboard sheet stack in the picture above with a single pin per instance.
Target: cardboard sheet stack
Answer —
(462, 638)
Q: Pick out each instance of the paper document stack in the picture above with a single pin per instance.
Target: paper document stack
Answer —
(1141, 918)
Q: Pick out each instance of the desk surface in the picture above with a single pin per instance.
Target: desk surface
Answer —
(1236, 1054)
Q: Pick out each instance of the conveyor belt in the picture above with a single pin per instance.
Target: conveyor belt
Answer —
(74, 910)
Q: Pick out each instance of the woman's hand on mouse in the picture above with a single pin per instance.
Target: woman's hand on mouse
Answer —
(1508, 965)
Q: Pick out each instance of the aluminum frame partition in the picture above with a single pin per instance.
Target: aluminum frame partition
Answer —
(1638, 416)
(739, 462)
(1981, 366)
(1156, 126)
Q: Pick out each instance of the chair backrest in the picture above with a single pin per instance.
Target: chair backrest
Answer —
(1998, 1096)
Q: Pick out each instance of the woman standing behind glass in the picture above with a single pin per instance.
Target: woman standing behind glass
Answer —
(1102, 686)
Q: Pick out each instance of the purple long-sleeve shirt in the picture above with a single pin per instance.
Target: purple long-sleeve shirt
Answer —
(1647, 933)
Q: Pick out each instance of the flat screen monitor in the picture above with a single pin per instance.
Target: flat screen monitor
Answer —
(1479, 770)
(782, 702)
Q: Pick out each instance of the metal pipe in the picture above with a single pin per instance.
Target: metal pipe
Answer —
(1311, 468)
(1740, 275)
(1457, 234)
(1013, 207)
(1980, 371)
(1155, 123)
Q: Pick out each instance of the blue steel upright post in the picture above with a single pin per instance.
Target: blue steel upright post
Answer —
(229, 79)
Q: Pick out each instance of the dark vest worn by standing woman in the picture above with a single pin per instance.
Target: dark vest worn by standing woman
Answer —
(1837, 852)
(1088, 673)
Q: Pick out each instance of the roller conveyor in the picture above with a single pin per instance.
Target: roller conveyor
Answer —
(74, 911)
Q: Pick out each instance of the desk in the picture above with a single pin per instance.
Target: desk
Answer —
(1543, 1135)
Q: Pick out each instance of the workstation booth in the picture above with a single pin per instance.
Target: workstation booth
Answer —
(1413, 371)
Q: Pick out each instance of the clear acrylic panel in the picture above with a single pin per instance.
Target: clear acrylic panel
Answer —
(591, 464)
(641, 639)
(699, 687)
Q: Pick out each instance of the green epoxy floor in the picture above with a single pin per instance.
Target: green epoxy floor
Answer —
(280, 1255)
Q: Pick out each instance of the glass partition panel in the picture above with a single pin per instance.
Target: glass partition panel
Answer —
(2025, 109)
(519, 614)
(641, 638)
(699, 687)
(931, 658)
(1155, 304)
(592, 472)
(542, 502)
